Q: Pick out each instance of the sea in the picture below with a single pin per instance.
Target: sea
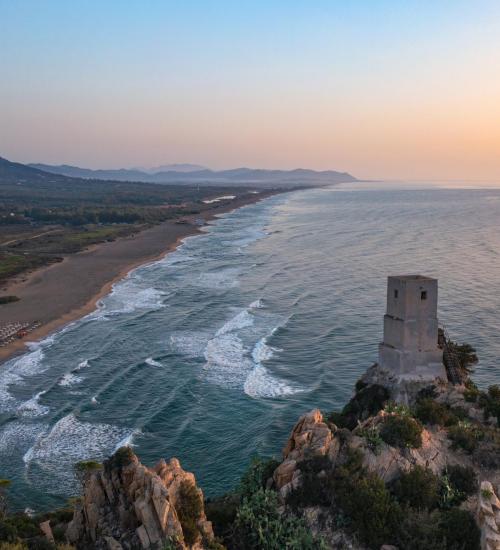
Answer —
(212, 353)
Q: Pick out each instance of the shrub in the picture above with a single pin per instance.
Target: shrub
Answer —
(189, 506)
(337, 418)
(122, 457)
(460, 530)
(401, 431)
(84, 469)
(464, 436)
(8, 299)
(259, 526)
(368, 401)
(314, 489)
(490, 402)
(418, 488)
(372, 437)
(420, 530)
(372, 511)
(463, 479)
(429, 411)
(221, 511)
(256, 476)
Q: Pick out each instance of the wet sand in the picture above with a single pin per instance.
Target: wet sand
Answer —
(60, 293)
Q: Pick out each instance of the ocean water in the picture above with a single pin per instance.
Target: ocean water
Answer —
(212, 353)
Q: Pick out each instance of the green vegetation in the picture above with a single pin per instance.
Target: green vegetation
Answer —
(372, 438)
(256, 476)
(419, 488)
(189, 507)
(122, 458)
(368, 401)
(8, 299)
(465, 435)
(401, 431)
(463, 479)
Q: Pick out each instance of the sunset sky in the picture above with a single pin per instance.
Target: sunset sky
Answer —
(382, 89)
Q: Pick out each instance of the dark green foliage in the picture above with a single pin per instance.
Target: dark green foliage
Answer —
(464, 436)
(8, 299)
(401, 431)
(221, 511)
(372, 511)
(490, 402)
(420, 530)
(429, 411)
(418, 488)
(368, 401)
(315, 488)
(336, 418)
(122, 457)
(463, 479)
(256, 476)
(260, 526)
(460, 530)
(189, 507)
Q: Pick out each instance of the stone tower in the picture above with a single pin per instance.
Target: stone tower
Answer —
(410, 348)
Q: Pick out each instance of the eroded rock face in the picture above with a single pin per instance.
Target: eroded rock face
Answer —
(310, 437)
(126, 505)
(488, 517)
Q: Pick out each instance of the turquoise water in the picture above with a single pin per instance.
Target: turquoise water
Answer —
(212, 353)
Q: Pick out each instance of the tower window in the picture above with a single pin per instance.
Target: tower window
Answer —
(395, 294)
(423, 295)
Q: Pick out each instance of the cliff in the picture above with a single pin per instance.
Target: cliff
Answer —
(126, 505)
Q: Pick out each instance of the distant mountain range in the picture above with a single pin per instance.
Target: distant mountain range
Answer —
(191, 174)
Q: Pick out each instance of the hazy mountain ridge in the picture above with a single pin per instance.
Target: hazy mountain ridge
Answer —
(299, 176)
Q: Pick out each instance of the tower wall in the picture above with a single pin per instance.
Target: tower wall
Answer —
(410, 345)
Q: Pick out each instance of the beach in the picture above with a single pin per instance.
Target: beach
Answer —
(60, 293)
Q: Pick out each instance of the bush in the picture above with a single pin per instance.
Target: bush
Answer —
(418, 488)
(189, 506)
(368, 401)
(463, 479)
(429, 411)
(260, 526)
(420, 530)
(464, 436)
(8, 299)
(256, 476)
(221, 511)
(401, 431)
(315, 489)
(490, 402)
(369, 506)
(460, 530)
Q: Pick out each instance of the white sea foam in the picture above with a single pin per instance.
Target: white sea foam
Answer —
(128, 441)
(129, 296)
(150, 361)
(69, 379)
(257, 304)
(83, 365)
(18, 435)
(242, 320)
(16, 371)
(32, 407)
(262, 351)
(226, 360)
(260, 383)
(68, 442)
(223, 278)
(191, 344)
(94, 401)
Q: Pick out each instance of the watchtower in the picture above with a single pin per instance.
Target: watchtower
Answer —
(410, 347)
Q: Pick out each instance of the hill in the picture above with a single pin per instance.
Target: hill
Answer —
(194, 176)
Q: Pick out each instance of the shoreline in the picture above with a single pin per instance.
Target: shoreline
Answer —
(163, 238)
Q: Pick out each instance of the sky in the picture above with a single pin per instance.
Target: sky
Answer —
(382, 89)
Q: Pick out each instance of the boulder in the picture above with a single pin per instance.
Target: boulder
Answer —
(126, 505)
(488, 517)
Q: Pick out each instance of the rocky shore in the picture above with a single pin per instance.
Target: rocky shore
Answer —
(398, 468)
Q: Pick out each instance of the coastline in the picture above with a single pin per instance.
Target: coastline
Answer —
(64, 292)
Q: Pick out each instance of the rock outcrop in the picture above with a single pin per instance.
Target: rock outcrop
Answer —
(488, 516)
(126, 505)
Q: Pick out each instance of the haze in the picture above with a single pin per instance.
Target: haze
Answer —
(383, 89)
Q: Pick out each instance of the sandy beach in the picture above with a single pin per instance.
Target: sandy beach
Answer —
(60, 293)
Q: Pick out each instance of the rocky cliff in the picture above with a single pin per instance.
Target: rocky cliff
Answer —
(126, 505)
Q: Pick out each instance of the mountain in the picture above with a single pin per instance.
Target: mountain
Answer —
(183, 167)
(237, 176)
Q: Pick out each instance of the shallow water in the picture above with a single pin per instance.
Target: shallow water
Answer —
(212, 353)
